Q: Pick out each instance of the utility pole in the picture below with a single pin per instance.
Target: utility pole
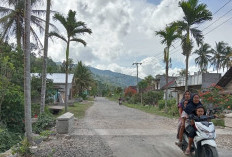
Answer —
(137, 65)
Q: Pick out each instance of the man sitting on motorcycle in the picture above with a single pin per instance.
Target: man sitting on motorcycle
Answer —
(190, 109)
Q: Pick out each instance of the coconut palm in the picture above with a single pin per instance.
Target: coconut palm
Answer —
(218, 54)
(73, 28)
(12, 21)
(82, 78)
(204, 57)
(226, 59)
(194, 13)
(168, 35)
(149, 79)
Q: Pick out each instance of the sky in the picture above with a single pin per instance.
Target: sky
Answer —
(124, 33)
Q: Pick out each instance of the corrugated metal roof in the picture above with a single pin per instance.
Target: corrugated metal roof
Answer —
(58, 78)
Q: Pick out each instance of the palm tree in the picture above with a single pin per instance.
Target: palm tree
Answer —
(149, 79)
(226, 59)
(73, 28)
(218, 53)
(168, 35)
(82, 78)
(182, 72)
(44, 72)
(203, 57)
(70, 65)
(194, 13)
(12, 21)
(27, 78)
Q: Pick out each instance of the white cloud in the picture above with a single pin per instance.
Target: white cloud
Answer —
(124, 32)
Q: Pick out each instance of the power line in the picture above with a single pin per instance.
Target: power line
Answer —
(218, 19)
(222, 7)
(218, 10)
(218, 26)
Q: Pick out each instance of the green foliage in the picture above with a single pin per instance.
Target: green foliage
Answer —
(79, 109)
(46, 133)
(36, 85)
(82, 79)
(44, 122)
(152, 97)
(214, 95)
(8, 139)
(13, 109)
(5, 139)
(170, 103)
(142, 85)
(22, 148)
(218, 122)
(84, 96)
(37, 62)
(161, 104)
(35, 109)
(134, 99)
(172, 108)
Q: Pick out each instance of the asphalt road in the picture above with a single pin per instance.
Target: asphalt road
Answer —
(132, 133)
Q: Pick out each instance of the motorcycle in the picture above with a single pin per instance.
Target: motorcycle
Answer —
(120, 101)
(204, 143)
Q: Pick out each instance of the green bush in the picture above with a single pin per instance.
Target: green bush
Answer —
(171, 105)
(35, 109)
(218, 122)
(12, 112)
(152, 97)
(136, 98)
(22, 148)
(44, 122)
(7, 139)
(161, 104)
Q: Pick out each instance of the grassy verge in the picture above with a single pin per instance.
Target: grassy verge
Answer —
(218, 122)
(79, 109)
(149, 109)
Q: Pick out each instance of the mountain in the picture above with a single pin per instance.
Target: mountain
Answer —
(114, 78)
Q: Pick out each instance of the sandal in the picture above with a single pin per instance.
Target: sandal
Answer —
(187, 151)
(179, 144)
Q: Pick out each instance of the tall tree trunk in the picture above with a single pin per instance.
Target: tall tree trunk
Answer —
(18, 33)
(187, 58)
(141, 98)
(66, 77)
(44, 70)
(186, 73)
(27, 77)
(166, 90)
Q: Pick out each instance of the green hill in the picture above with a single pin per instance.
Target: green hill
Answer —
(113, 78)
